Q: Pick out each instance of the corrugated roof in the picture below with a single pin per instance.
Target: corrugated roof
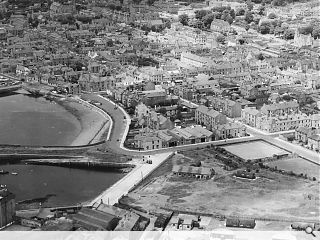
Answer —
(192, 170)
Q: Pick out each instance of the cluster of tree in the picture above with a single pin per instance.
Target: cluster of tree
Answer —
(248, 17)
(69, 19)
(272, 27)
(151, 2)
(84, 19)
(184, 19)
(313, 29)
(143, 61)
(240, 12)
(77, 66)
(260, 56)
(204, 18)
(224, 13)
(152, 28)
(288, 34)
(114, 7)
(33, 22)
(5, 15)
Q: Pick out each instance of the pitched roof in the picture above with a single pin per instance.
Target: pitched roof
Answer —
(192, 170)
(252, 111)
(315, 137)
(207, 111)
(127, 222)
(281, 105)
(304, 130)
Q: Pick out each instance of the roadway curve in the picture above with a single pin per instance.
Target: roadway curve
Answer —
(121, 122)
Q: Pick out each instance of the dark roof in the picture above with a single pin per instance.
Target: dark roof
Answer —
(94, 219)
(247, 223)
(161, 221)
(235, 222)
(192, 170)
(230, 222)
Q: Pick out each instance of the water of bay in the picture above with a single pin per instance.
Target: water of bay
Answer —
(31, 121)
(69, 186)
(36, 121)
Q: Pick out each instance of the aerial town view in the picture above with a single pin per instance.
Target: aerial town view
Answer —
(159, 117)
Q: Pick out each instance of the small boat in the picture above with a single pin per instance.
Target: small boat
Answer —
(14, 173)
(3, 172)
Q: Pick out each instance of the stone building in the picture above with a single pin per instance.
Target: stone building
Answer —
(7, 207)
(209, 117)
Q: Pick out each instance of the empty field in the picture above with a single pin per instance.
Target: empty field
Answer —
(297, 165)
(271, 195)
(254, 150)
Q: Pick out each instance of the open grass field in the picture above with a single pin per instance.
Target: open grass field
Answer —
(297, 165)
(254, 150)
(271, 195)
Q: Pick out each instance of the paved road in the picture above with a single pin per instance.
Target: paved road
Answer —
(274, 139)
(119, 122)
(120, 128)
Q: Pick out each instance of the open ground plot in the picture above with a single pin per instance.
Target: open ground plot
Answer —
(254, 150)
(272, 195)
(297, 165)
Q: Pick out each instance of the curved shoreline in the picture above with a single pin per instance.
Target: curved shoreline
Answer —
(94, 123)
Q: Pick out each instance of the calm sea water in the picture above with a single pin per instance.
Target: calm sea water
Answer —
(35, 121)
(70, 186)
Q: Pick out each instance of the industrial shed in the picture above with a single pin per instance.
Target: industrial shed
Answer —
(94, 220)
(195, 172)
(162, 220)
(240, 223)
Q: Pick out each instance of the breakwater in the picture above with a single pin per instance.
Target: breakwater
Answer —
(80, 163)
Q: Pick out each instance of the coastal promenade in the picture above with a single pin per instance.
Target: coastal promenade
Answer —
(119, 127)
(123, 186)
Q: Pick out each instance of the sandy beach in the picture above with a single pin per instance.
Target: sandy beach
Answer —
(93, 123)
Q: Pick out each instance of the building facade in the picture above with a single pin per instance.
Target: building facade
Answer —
(209, 117)
(7, 207)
